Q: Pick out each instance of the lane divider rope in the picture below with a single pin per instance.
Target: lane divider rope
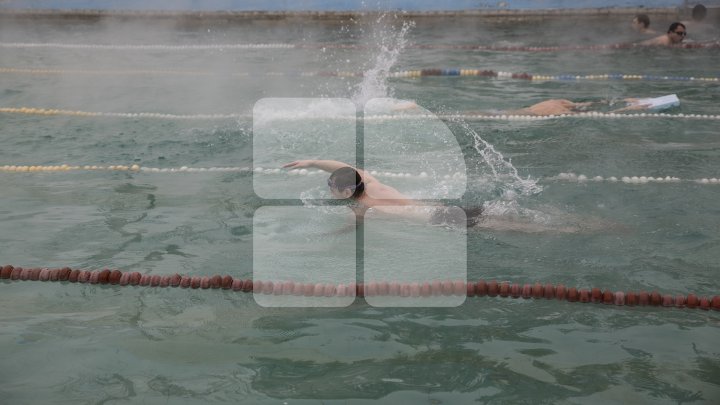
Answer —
(446, 72)
(426, 289)
(566, 177)
(537, 77)
(51, 112)
(380, 117)
(581, 178)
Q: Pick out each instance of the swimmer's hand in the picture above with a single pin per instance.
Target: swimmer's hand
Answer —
(638, 107)
(633, 105)
(405, 105)
(298, 164)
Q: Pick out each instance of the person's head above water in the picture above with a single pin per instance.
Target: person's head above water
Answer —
(674, 36)
(641, 22)
(346, 182)
(676, 32)
(699, 12)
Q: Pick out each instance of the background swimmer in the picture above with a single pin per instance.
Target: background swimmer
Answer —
(569, 107)
(552, 107)
(641, 24)
(674, 36)
(702, 29)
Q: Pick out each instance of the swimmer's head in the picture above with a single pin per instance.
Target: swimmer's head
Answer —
(699, 12)
(346, 182)
(677, 32)
(641, 22)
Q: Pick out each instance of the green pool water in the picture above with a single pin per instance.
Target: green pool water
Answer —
(81, 343)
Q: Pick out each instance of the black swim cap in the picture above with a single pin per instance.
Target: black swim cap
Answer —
(347, 178)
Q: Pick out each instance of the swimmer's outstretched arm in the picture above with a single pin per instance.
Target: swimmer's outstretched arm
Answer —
(328, 166)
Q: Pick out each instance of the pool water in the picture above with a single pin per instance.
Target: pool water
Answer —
(82, 343)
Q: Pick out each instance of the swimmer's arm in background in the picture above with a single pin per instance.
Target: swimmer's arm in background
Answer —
(328, 166)
(405, 105)
(552, 107)
(633, 105)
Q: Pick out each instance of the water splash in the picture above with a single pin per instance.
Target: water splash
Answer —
(502, 172)
(389, 42)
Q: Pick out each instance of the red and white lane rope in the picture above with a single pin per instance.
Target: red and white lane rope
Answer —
(432, 288)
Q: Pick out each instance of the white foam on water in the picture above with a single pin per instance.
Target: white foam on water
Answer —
(501, 170)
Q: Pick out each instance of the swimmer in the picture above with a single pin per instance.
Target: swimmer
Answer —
(366, 192)
(641, 24)
(347, 182)
(568, 107)
(543, 108)
(552, 107)
(699, 12)
(674, 36)
(702, 30)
